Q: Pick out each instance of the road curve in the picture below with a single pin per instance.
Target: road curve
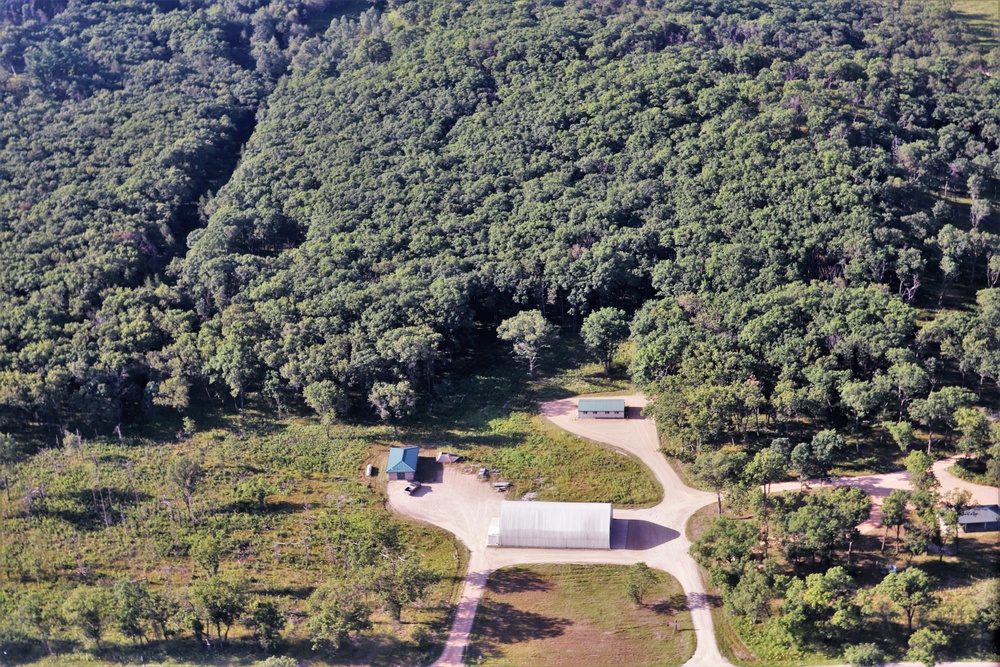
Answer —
(464, 506)
(879, 486)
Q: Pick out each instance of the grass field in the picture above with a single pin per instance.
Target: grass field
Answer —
(275, 488)
(559, 615)
(285, 546)
(983, 16)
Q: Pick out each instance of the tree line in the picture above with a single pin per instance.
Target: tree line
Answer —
(745, 181)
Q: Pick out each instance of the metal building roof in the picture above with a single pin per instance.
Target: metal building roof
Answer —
(402, 459)
(980, 514)
(602, 405)
(555, 525)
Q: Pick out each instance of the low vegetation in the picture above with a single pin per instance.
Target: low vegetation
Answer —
(581, 615)
(276, 512)
(218, 542)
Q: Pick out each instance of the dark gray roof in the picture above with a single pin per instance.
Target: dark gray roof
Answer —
(980, 514)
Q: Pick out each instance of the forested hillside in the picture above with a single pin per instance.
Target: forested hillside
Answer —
(116, 119)
(772, 189)
(440, 165)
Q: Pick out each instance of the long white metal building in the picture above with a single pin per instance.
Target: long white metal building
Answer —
(552, 525)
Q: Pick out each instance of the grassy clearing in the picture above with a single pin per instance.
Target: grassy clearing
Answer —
(544, 459)
(286, 545)
(289, 542)
(983, 18)
(490, 417)
(558, 615)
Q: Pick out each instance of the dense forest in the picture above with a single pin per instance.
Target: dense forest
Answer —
(786, 207)
(775, 192)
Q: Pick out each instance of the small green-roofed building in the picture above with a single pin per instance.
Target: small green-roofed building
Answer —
(402, 462)
(979, 519)
(601, 408)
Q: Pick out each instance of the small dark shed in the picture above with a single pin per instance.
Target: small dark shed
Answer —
(980, 519)
(402, 462)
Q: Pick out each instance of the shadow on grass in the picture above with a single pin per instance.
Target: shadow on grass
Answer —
(270, 508)
(87, 509)
(499, 624)
(671, 605)
(977, 558)
(517, 580)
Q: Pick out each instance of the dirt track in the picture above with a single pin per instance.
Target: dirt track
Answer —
(879, 486)
(463, 505)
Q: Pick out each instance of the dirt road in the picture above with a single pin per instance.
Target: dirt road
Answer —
(879, 486)
(464, 506)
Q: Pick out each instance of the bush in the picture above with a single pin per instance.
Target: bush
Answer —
(864, 655)
(275, 661)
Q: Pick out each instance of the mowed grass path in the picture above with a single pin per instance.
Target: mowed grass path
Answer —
(578, 615)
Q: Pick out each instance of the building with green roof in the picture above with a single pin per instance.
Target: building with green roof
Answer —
(601, 408)
(402, 462)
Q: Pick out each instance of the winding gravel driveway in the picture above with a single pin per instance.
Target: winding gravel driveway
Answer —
(879, 486)
(461, 504)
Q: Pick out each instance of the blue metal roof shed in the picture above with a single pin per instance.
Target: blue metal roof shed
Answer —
(402, 462)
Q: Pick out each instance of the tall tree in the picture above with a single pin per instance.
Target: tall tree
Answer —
(328, 400)
(717, 469)
(909, 591)
(894, 513)
(530, 333)
(638, 581)
(393, 402)
(337, 610)
(186, 474)
(223, 599)
(89, 610)
(603, 332)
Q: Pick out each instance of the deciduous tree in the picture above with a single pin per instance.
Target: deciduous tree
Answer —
(603, 331)
(530, 333)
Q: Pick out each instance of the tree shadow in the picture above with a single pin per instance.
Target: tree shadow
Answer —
(517, 580)
(89, 509)
(268, 508)
(671, 605)
(499, 624)
(696, 601)
(364, 648)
